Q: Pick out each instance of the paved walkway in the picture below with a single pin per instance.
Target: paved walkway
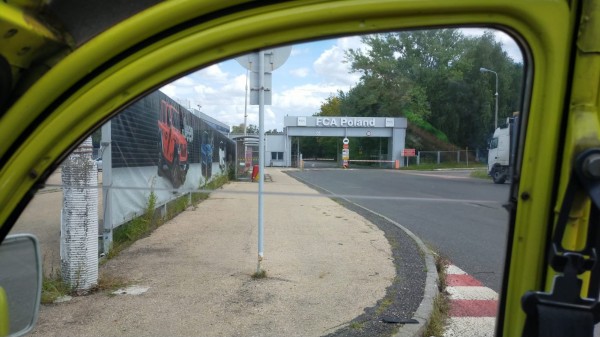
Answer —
(325, 264)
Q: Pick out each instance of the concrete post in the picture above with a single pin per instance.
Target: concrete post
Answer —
(79, 227)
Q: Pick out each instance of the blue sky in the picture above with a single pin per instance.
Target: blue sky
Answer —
(313, 72)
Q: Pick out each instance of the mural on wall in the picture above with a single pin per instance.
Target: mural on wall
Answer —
(159, 146)
(222, 154)
(207, 153)
(172, 144)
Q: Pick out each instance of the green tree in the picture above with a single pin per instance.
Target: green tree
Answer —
(251, 129)
(331, 106)
(432, 78)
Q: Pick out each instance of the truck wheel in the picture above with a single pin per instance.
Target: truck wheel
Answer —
(176, 171)
(498, 176)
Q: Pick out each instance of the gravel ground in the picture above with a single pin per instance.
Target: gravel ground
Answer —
(403, 296)
(325, 265)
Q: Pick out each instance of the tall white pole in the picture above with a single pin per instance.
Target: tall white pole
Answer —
(106, 143)
(261, 156)
(496, 94)
(496, 115)
(246, 102)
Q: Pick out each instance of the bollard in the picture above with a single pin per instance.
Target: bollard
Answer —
(255, 173)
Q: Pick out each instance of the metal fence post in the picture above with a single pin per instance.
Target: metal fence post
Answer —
(418, 158)
(438, 157)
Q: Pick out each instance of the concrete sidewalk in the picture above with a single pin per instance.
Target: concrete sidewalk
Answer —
(325, 264)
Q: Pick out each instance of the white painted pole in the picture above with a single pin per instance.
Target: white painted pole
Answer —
(261, 156)
(107, 234)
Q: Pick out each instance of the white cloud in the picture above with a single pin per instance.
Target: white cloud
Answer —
(509, 45)
(353, 42)
(296, 50)
(169, 90)
(300, 72)
(213, 73)
(184, 81)
(203, 91)
(331, 66)
(221, 93)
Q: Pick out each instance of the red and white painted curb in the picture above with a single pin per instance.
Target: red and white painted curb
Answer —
(473, 307)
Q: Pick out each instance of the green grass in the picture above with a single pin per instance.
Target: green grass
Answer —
(259, 274)
(128, 233)
(198, 197)
(441, 306)
(436, 326)
(385, 303)
(217, 182)
(53, 287)
(480, 173)
(356, 325)
(177, 206)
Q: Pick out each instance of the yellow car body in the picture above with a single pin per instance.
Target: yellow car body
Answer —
(49, 112)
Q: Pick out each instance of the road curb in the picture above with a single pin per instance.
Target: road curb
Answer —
(423, 312)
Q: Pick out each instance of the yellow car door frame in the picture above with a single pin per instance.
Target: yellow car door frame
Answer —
(172, 38)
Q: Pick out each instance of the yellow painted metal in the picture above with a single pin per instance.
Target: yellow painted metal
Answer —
(4, 314)
(583, 129)
(544, 26)
(25, 39)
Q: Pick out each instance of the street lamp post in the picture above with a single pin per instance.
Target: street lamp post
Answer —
(496, 114)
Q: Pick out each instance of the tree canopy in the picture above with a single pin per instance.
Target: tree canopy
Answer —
(433, 78)
(251, 129)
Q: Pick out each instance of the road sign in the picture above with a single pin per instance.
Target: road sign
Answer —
(408, 153)
(345, 152)
(274, 58)
(254, 88)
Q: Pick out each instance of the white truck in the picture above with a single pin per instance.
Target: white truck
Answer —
(501, 151)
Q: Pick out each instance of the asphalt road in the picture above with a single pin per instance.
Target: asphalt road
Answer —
(461, 218)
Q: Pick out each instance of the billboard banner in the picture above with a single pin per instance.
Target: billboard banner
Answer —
(158, 145)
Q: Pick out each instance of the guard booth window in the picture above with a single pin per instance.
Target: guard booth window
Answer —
(277, 155)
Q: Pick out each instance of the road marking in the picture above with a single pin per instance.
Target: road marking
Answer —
(455, 280)
(471, 326)
(441, 176)
(471, 293)
(473, 307)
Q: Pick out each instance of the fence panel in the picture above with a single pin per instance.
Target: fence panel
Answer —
(464, 157)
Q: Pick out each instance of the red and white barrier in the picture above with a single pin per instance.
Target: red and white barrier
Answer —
(473, 307)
